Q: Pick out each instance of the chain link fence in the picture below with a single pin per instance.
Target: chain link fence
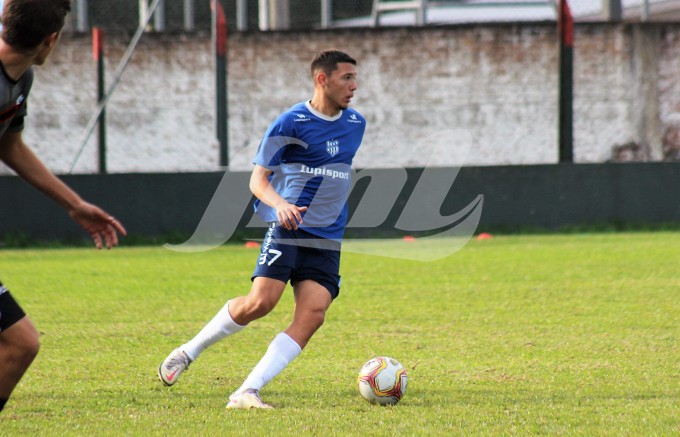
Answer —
(253, 15)
(188, 15)
(195, 15)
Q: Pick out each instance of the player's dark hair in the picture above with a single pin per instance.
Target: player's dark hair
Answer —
(26, 23)
(327, 61)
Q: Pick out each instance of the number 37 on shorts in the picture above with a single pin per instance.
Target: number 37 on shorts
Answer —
(272, 254)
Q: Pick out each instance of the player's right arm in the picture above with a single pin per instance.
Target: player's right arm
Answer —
(20, 158)
(102, 227)
(288, 214)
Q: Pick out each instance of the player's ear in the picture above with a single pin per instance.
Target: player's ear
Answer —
(52, 39)
(321, 79)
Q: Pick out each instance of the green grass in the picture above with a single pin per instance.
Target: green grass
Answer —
(539, 335)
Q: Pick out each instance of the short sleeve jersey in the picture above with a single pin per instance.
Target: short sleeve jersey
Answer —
(13, 96)
(310, 155)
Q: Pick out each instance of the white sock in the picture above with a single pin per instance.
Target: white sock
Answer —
(282, 350)
(222, 325)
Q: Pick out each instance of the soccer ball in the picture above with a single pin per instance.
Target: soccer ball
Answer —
(383, 381)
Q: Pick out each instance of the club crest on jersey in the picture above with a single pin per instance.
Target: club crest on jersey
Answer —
(333, 147)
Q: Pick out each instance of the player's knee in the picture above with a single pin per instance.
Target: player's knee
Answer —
(21, 355)
(316, 318)
(31, 349)
(28, 350)
(259, 306)
(21, 344)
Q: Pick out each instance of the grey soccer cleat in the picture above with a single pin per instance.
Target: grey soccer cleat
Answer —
(174, 365)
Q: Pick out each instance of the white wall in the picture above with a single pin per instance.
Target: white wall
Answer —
(488, 90)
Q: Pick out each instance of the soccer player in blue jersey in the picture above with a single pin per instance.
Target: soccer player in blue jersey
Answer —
(30, 30)
(301, 180)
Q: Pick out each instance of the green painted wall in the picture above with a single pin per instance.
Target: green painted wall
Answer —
(515, 198)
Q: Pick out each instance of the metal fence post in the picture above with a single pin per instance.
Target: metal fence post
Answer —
(566, 99)
(98, 52)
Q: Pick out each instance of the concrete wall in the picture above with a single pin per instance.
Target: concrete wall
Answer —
(475, 95)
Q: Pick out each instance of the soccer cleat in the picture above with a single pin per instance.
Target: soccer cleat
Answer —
(246, 400)
(174, 365)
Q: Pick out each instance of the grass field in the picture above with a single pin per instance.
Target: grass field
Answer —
(550, 335)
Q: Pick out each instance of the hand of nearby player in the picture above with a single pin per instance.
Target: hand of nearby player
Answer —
(101, 226)
(289, 215)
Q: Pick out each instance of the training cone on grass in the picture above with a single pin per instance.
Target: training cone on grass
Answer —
(251, 244)
(484, 236)
(409, 238)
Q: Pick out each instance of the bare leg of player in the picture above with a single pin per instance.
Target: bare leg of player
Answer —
(19, 345)
(312, 300)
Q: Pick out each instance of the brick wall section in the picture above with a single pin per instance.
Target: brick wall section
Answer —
(479, 95)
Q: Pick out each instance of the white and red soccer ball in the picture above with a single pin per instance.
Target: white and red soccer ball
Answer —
(382, 380)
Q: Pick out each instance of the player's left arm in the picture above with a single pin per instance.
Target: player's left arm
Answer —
(101, 226)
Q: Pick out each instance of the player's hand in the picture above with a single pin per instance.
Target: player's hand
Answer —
(289, 215)
(102, 227)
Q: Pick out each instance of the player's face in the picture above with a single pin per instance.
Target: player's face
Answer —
(341, 85)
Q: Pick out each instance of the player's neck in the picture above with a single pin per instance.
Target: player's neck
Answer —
(14, 62)
(324, 106)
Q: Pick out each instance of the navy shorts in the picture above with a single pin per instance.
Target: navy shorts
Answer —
(10, 311)
(297, 255)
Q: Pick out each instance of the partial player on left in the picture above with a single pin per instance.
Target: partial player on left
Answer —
(30, 31)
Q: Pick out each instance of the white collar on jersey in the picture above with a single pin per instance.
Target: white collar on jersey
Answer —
(320, 115)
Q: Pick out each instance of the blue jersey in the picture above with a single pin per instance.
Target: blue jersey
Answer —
(310, 155)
